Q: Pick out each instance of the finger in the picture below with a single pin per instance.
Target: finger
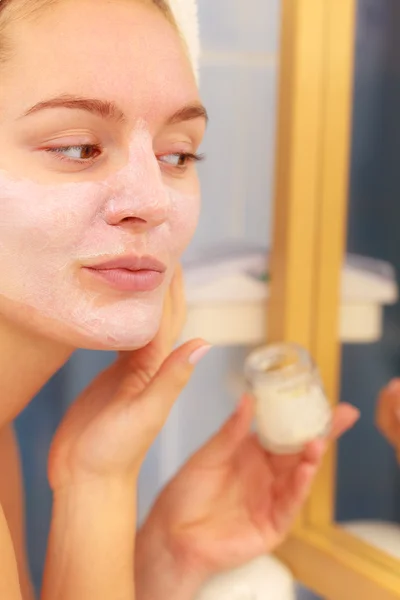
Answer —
(302, 482)
(229, 438)
(291, 500)
(388, 412)
(161, 344)
(174, 315)
(178, 304)
(394, 387)
(163, 338)
(314, 451)
(344, 418)
(383, 412)
(296, 491)
(165, 387)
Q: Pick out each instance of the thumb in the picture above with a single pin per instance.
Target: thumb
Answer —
(345, 417)
(170, 380)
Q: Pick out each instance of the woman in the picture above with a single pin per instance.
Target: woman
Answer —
(100, 124)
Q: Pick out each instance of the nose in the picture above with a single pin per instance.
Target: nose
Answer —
(139, 200)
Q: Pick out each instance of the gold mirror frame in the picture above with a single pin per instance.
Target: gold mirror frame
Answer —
(314, 136)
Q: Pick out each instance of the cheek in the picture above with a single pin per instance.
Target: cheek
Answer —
(185, 212)
(46, 219)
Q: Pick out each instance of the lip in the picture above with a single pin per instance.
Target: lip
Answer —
(130, 273)
(132, 263)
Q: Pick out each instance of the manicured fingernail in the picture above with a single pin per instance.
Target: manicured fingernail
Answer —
(198, 354)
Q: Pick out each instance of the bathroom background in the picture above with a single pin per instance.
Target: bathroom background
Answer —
(239, 85)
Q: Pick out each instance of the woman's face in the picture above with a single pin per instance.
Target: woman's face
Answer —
(98, 110)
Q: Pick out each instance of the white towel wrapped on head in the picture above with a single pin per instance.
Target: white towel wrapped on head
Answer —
(186, 16)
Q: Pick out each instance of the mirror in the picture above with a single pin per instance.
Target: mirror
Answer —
(339, 59)
(368, 480)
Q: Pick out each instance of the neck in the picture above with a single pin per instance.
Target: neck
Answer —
(27, 362)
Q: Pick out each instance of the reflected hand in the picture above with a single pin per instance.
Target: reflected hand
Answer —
(388, 414)
(233, 501)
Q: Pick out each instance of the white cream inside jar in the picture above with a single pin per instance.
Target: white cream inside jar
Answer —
(291, 405)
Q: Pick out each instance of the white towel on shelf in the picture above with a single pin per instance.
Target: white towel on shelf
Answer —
(261, 579)
(186, 16)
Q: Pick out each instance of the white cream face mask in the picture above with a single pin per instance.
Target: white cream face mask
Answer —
(51, 236)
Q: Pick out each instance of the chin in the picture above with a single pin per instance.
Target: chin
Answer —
(121, 332)
(113, 338)
(124, 327)
(84, 340)
(116, 344)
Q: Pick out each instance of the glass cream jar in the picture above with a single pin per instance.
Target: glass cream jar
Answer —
(291, 405)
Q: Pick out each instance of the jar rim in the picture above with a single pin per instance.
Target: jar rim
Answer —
(278, 360)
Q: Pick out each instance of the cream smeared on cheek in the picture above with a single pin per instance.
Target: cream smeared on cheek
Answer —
(49, 233)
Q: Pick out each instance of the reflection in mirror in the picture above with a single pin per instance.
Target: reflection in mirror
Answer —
(368, 486)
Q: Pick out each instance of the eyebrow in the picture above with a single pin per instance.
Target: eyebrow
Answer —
(188, 113)
(109, 110)
(102, 108)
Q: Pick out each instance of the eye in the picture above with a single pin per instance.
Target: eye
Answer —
(180, 160)
(81, 153)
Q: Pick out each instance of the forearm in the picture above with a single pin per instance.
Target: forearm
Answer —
(91, 544)
(160, 575)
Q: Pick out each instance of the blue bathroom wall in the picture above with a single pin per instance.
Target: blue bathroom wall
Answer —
(368, 476)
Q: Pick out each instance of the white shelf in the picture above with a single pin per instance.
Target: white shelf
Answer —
(227, 304)
(246, 323)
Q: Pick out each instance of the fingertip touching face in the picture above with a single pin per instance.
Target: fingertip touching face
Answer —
(100, 123)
